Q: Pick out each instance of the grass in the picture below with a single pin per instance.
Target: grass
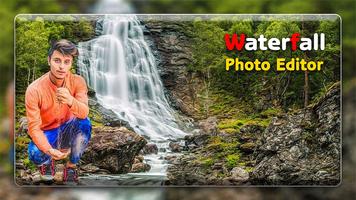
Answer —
(207, 162)
(323, 92)
(232, 160)
(216, 144)
(22, 142)
(270, 112)
(234, 125)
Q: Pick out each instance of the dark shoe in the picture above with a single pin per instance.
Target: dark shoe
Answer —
(47, 171)
(70, 176)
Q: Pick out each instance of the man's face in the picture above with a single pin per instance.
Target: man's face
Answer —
(60, 64)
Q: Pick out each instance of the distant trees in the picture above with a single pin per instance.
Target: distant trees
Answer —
(33, 36)
(285, 89)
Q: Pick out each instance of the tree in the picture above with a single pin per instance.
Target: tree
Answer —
(31, 47)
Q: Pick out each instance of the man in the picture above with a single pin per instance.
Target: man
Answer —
(57, 111)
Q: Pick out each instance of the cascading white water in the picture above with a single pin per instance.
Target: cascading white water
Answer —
(121, 68)
(123, 73)
(112, 6)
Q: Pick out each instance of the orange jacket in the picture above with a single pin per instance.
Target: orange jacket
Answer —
(45, 113)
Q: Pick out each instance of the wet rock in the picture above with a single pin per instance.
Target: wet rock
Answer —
(22, 173)
(194, 141)
(175, 147)
(36, 178)
(150, 149)
(170, 159)
(250, 133)
(58, 176)
(113, 149)
(140, 167)
(24, 178)
(91, 92)
(88, 168)
(239, 175)
(140, 158)
(209, 125)
(20, 165)
(218, 166)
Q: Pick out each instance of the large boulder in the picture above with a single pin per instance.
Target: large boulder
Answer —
(239, 174)
(302, 148)
(113, 149)
(209, 125)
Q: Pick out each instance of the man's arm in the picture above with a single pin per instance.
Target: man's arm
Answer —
(34, 120)
(80, 106)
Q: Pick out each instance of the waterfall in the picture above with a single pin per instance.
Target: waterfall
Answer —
(121, 68)
(112, 6)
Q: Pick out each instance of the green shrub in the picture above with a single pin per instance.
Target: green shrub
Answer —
(232, 160)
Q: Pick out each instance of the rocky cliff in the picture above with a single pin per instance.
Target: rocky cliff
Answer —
(302, 148)
(171, 46)
(298, 148)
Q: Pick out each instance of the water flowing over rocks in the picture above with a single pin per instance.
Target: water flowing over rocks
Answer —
(107, 116)
(121, 68)
(150, 149)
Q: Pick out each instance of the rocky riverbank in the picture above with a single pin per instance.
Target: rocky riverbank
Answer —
(114, 148)
(298, 148)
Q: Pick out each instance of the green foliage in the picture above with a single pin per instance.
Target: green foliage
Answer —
(232, 123)
(249, 169)
(321, 93)
(207, 162)
(220, 147)
(221, 150)
(33, 36)
(95, 117)
(236, 124)
(31, 49)
(217, 145)
(229, 130)
(232, 160)
(270, 112)
(244, 26)
(285, 89)
(21, 143)
(310, 138)
(208, 48)
(28, 164)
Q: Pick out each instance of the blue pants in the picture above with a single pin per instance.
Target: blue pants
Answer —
(73, 134)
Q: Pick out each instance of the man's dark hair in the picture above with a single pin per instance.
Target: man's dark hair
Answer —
(64, 46)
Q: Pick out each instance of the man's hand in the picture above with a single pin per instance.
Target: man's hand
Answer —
(64, 96)
(58, 155)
